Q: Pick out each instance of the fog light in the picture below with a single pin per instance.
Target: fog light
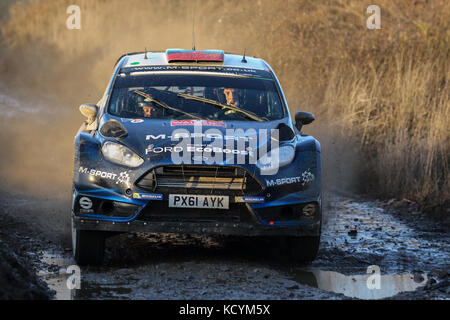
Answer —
(309, 210)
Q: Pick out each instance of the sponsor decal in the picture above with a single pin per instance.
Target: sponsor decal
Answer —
(131, 120)
(304, 178)
(214, 146)
(281, 181)
(209, 123)
(85, 203)
(148, 196)
(200, 158)
(307, 176)
(122, 177)
(196, 148)
(201, 135)
(249, 199)
(234, 70)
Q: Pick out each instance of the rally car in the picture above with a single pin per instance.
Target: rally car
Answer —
(195, 142)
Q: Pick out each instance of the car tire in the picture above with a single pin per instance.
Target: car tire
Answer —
(303, 249)
(88, 247)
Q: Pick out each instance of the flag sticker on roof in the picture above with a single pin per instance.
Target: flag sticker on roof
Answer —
(174, 55)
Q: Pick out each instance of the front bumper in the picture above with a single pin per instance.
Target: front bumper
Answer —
(256, 219)
(199, 228)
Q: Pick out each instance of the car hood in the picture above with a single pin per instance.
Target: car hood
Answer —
(154, 138)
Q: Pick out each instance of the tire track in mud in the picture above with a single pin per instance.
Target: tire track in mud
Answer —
(356, 235)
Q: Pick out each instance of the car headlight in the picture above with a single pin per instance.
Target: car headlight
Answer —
(276, 158)
(120, 154)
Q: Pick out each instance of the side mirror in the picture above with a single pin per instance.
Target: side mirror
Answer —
(90, 112)
(303, 118)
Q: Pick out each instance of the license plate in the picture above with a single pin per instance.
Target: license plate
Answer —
(191, 201)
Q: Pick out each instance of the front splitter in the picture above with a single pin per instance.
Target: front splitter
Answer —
(199, 228)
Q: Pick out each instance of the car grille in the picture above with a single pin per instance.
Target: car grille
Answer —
(200, 179)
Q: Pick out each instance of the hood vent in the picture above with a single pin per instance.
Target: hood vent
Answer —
(285, 132)
(113, 129)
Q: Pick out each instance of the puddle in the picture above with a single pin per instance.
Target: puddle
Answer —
(56, 275)
(357, 286)
(59, 276)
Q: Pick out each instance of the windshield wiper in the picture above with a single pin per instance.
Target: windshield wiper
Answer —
(249, 114)
(163, 105)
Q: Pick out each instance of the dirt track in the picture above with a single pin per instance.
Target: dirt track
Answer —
(411, 252)
(64, 68)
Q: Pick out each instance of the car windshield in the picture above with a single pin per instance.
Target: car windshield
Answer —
(195, 96)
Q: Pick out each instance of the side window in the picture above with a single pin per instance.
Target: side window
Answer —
(274, 105)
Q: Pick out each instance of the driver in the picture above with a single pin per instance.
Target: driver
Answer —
(149, 110)
(231, 97)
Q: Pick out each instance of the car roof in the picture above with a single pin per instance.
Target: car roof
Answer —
(140, 59)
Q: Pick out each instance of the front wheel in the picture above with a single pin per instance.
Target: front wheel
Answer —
(88, 247)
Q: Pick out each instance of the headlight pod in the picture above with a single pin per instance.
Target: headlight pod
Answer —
(120, 154)
(276, 158)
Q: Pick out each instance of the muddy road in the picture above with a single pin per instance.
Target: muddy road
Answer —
(47, 70)
(410, 253)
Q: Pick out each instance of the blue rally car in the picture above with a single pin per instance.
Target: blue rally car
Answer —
(195, 142)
